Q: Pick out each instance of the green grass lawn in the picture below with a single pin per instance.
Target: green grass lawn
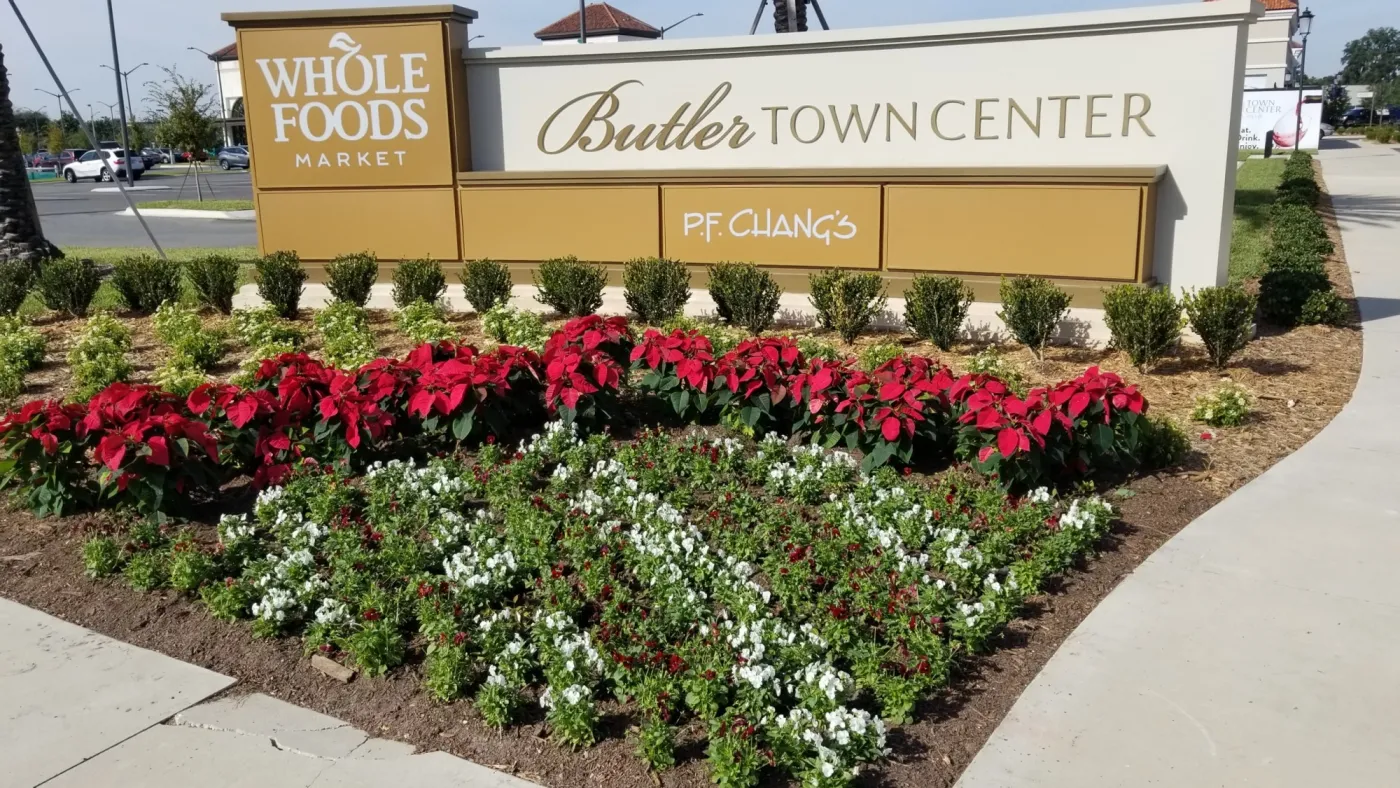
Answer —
(106, 296)
(206, 205)
(1254, 193)
(1245, 154)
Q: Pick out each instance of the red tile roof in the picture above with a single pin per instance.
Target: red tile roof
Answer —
(229, 52)
(603, 20)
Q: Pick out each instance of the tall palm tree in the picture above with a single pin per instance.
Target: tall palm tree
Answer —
(20, 235)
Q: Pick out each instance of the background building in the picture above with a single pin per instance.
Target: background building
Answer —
(229, 86)
(1271, 59)
(605, 24)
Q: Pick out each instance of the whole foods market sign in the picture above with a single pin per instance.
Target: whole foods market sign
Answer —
(349, 106)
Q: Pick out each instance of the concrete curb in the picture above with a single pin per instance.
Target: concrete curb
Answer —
(186, 213)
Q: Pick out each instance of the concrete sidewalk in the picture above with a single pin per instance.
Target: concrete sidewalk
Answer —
(79, 709)
(1258, 647)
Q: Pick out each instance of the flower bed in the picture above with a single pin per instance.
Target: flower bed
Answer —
(138, 444)
(779, 596)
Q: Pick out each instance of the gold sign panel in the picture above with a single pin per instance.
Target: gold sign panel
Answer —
(395, 224)
(605, 224)
(1082, 232)
(808, 226)
(356, 105)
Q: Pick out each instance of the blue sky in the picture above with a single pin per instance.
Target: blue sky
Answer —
(157, 31)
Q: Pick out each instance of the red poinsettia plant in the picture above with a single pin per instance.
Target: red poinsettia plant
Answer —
(43, 454)
(147, 446)
(458, 390)
(679, 368)
(754, 382)
(583, 369)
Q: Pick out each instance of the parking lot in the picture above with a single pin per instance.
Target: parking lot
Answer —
(85, 213)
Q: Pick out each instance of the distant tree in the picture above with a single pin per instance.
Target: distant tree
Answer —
(140, 138)
(1373, 58)
(187, 111)
(54, 138)
(31, 120)
(1335, 102)
(28, 142)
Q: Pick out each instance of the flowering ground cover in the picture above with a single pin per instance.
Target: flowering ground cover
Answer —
(792, 604)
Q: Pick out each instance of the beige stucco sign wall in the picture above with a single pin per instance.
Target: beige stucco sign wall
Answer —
(1135, 87)
(1090, 147)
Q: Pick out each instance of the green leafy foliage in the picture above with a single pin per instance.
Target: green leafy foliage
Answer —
(745, 295)
(180, 375)
(350, 277)
(21, 345)
(424, 321)
(1165, 443)
(418, 280)
(214, 278)
(1144, 322)
(1032, 309)
(16, 280)
(1324, 308)
(1291, 279)
(486, 284)
(144, 282)
(102, 557)
(194, 344)
(656, 289)
(571, 287)
(814, 349)
(935, 308)
(99, 356)
(280, 280)
(877, 354)
(847, 302)
(346, 339)
(1223, 318)
(992, 361)
(68, 284)
(1227, 406)
(516, 327)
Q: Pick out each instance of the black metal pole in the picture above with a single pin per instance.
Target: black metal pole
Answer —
(117, 72)
(74, 107)
(758, 17)
(582, 22)
(820, 16)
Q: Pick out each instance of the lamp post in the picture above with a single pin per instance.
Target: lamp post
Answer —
(678, 24)
(92, 121)
(116, 68)
(219, 80)
(1305, 27)
(582, 22)
(473, 38)
(59, 98)
(126, 79)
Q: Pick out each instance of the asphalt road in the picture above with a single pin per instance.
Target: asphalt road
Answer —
(73, 214)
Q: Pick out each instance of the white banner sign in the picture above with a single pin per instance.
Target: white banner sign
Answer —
(1266, 112)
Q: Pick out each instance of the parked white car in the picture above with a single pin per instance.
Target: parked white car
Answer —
(90, 166)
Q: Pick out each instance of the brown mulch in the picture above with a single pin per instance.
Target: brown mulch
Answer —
(1300, 379)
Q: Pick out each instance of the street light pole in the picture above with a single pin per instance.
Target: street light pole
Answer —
(117, 67)
(58, 97)
(1305, 19)
(678, 24)
(219, 79)
(126, 79)
(582, 22)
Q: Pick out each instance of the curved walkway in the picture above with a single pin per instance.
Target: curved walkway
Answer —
(1259, 646)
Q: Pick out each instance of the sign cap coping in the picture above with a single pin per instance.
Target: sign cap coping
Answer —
(446, 12)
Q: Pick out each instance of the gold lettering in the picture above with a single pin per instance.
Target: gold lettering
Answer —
(821, 124)
(623, 140)
(602, 110)
(773, 119)
(710, 104)
(1091, 114)
(709, 136)
(1129, 115)
(977, 126)
(939, 108)
(891, 114)
(1014, 109)
(670, 125)
(1064, 110)
(739, 133)
(853, 118)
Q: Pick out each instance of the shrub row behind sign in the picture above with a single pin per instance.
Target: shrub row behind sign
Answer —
(146, 447)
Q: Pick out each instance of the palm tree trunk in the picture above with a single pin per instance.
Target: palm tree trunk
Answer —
(20, 236)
